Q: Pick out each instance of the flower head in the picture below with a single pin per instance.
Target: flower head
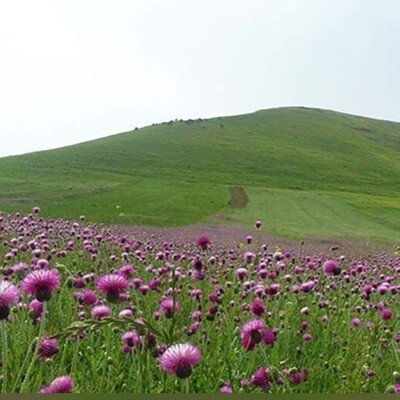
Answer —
(9, 295)
(169, 307)
(63, 384)
(179, 359)
(251, 333)
(35, 309)
(48, 347)
(203, 242)
(257, 308)
(99, 312)
(131, 338)
(88, 298)
(330, 266)
(262, 379)
(41, 283)
(112, 285)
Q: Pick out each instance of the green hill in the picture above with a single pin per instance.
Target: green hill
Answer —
(304, 172)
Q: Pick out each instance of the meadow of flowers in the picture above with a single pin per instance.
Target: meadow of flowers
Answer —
(85, 309)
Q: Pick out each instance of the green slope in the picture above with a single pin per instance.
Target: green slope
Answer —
(306, 172)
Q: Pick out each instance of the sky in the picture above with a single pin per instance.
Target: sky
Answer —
(73, 70)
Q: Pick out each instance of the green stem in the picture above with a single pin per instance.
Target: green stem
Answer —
(187, 387)
(5, 351)
(37, 347)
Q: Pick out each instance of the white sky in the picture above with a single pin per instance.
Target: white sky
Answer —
(75, 70)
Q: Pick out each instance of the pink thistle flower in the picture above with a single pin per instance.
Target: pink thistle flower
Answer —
(355, 322)
(63, 384)
(193, 328)
(144, 289)
(298, 377)
(112, 285)
(99, 312)
(41, 283)
(262, 379)
(241, 273)
(305, 311)
(131, 338)
(179, 359)
(269, 337)
(203, 242)
(249, 239)
(307, 337)
(386, 314)
(126, 271)
(226, 388)
(88, 298)
(251, 333)
(48, 347)
(249, 257)
(127, 313)
(9, 295)
(257, 308)
(169, 308)
(329, 266)
(35, 309)
(257, 224)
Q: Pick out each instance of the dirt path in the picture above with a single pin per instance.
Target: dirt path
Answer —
(239, 198)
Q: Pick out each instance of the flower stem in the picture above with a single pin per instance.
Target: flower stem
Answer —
(37, 347)
(187, 387)
(4, 356)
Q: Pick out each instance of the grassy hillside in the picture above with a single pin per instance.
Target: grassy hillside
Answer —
(305, 172)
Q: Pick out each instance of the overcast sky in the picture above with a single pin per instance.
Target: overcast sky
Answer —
(76, 70)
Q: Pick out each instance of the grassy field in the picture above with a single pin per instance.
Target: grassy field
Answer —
(261, 320)
(306, 172)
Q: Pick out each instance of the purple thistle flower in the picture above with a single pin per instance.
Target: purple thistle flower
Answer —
(203, 242)
(179, 359)
(355, 322)
(269, 337)
(169, 308)
(386, 314)
(241, 273)
(329, 266)
(63, 384)
(251, 333)
(131, 338)
(257, 308)
(226, 388)
(88, 298)
(262, 379)
(127, 313)
(249, 256)
(9, 295)
(298, 377)
(257, 224)
(41, 283)
(48, 347)
(126, 271)
(112, 285)
(249, 239)
(99, 312)
(35, 309)
(307, 337)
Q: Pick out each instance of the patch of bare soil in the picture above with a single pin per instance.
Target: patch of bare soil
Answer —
(239, 198)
